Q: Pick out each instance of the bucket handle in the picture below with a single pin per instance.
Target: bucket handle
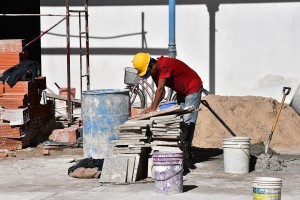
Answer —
(180, 170)
(241, 146)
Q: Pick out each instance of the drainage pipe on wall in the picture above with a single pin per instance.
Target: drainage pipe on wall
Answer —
(172, 45)
(212, 7)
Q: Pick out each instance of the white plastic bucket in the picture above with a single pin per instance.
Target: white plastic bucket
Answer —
(236, 151)
(267, 188)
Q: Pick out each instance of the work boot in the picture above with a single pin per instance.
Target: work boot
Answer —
(190, 163)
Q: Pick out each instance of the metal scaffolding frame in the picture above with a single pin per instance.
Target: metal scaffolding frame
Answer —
(86, 32)
(85, 53)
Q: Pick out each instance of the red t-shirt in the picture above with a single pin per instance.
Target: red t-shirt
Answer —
(179, 76)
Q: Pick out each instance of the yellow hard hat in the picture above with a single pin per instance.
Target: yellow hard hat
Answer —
(140, 62)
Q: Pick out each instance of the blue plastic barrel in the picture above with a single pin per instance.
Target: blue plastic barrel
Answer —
(102, 111)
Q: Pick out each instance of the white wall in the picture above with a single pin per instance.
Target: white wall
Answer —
(257, 45)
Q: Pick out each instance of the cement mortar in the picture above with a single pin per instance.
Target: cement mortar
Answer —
(267, 162)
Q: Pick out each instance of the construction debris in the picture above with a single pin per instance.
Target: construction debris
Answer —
(24, 121)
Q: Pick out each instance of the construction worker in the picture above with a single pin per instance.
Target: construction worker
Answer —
(176, 75)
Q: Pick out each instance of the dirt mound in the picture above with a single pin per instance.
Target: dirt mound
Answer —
(250, 116)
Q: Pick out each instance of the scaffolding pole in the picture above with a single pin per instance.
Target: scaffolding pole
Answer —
(69, 103)
(86, 53)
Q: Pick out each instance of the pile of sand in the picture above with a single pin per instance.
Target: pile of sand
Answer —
(247, 116)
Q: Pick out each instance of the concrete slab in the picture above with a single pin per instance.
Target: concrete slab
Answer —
(45, 178)
(114, 170)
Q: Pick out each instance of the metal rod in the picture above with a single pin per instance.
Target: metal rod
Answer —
(204, 102)
(79, 11)
(68, 63)
(80, 47)
(32, 15)
(32, 41)
(143, 30)
(143, 46)
(18, 15)
(87, 44)
(109, 37)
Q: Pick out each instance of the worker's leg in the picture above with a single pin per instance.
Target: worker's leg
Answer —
(191, 118)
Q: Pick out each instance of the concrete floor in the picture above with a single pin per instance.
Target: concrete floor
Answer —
(33, 176)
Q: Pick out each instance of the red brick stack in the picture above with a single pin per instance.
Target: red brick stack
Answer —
(24, 94)
(11, 53)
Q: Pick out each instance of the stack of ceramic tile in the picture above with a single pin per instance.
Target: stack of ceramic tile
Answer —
(168, 131)
(130, 153)
(132, 137)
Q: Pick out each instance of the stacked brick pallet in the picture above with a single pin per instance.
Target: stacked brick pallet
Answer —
(23, 95)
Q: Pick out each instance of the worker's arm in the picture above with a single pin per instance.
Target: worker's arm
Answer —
(159, 95)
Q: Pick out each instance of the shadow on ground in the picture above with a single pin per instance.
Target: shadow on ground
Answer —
(187, 188)
(205, 154)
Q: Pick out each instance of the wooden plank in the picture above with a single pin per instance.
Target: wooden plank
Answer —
(63, 98)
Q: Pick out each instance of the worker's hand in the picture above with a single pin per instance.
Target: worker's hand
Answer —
(147, 110)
